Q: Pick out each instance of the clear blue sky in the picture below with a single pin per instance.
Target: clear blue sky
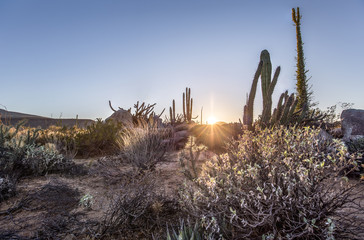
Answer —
(70, 57)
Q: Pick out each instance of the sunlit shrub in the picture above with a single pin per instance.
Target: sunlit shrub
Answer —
(21, 156)
(63, 138)
(276, 184)
(145, 147)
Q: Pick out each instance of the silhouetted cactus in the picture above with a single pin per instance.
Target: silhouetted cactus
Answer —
(268, 85)
(249, 107)
(187, 106)
(172, 113)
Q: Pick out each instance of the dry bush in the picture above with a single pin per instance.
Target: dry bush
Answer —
(278, 184)
(138, 211)
(145, 147)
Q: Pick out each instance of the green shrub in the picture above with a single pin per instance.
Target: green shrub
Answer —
(276, 184)
(98, 139)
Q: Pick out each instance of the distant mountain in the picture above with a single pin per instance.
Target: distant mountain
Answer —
(12, 118)
(9, 114)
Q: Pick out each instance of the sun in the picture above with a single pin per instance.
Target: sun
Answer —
(211, 120)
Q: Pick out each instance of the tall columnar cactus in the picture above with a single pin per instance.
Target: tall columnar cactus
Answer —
(187, 106)
(172, 112)
(303, 94)
(249, 107)
(268, 85)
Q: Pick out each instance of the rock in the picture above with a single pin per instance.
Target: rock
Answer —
(158, 121)
(325, 136)
(352, 124)
(122, 116)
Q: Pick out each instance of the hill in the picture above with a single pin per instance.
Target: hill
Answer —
(12, 118)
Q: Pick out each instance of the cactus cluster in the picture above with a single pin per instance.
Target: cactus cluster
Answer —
(187, 109)
(187, 106)
(285, 113)
(264, 71)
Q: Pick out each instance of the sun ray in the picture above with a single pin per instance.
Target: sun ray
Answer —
(211, 120)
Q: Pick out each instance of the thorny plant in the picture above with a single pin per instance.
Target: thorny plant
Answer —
(278, 184)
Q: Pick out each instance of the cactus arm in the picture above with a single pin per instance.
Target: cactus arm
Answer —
(287, 105)
(174, 109)
(292, 110)
(274, 81)
(266, 73)
(249, 107)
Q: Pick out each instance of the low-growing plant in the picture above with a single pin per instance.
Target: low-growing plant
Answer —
(87, 201)
(145, 147)
(277, 184)
(185, 232)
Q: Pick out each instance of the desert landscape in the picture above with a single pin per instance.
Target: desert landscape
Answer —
(286, 169)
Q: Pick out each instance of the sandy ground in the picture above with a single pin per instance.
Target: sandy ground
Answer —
(42, 200)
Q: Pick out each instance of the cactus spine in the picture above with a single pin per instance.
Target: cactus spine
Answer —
(249, 107)
(268, 85)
